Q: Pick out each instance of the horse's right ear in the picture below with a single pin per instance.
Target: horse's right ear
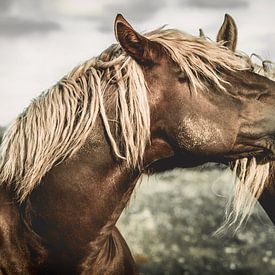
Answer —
(201, 33)
(228, 33)
(135, 44)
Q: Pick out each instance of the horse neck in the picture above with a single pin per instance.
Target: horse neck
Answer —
(83, 196)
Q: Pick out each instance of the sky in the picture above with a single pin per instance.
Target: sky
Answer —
(41, 40)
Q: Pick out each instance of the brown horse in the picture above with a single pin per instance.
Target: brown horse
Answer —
(70, 161)
(228, 34)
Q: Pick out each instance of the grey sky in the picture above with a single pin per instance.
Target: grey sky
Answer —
(13, 26)
(42, 40)
(138, 11)
(219, 4)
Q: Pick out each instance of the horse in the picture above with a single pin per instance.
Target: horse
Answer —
(70, 162)
(227, 35)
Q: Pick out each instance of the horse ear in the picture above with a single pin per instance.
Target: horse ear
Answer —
(228, 33)
(136, 45)
(201, 32)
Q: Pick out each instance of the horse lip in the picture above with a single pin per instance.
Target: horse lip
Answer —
(260, 153)
(263, 150)
(269, 149)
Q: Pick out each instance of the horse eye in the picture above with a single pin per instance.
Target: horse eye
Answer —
(183, 77)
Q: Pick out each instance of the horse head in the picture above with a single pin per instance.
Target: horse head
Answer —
(204, 102)
(267, 69)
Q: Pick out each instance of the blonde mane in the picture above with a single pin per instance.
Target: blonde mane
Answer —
(265, 68)
(57, 123)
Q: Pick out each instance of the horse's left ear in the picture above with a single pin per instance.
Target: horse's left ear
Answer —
(228, 33)
(135, 44)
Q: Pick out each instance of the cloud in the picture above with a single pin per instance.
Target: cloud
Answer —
(14, 26)
(19, 17)
(136, 11)
(218, 4)
(139, 10)
(23, 17)
(5, 5)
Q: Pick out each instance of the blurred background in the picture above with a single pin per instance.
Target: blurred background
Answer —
(170, 221)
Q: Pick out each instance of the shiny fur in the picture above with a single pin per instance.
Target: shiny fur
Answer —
(66, 225)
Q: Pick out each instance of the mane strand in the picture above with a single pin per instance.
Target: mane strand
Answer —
(57, 123)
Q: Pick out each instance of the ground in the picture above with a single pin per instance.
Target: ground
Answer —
(170, 222)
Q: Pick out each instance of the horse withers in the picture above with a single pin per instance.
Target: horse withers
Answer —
(70, 161)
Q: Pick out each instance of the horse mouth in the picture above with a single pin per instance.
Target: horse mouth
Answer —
(262, 154)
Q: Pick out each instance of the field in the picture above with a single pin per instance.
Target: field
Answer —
(170, 222)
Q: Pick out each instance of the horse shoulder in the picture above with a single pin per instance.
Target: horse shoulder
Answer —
(14, 254)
